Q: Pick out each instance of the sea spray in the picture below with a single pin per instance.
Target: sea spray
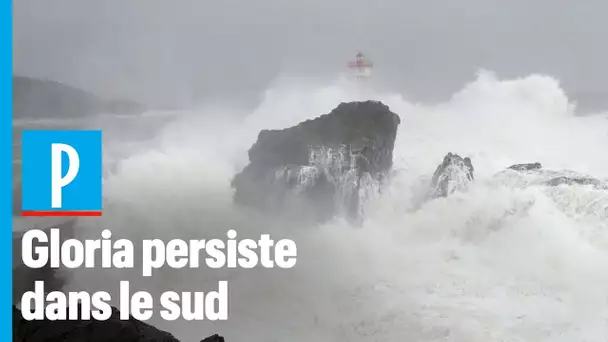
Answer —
(492, 263)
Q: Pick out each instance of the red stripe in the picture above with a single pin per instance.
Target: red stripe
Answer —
(61, 213)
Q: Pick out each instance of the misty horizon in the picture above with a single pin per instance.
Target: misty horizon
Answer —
(177, 54)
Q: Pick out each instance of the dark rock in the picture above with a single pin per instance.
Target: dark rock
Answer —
(46, 330)
(556, 178)
(575, 181)
(453, 174)
(533, 174)
(112, 330)
(526, 167)
(24, 277)
(319, 160)
(214, 338)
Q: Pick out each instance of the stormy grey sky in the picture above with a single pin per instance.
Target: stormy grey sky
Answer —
(166, 52)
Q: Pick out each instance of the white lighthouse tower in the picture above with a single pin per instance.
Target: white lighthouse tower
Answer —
(362, 67)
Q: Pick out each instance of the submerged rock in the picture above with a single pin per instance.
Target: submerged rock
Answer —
(453, 174)
(561, 187)
(320, 167)
(526, 167)
(534, 174)
(580, 180)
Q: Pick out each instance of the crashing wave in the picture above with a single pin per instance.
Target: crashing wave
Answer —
(453, 174)
(576, 194)
(336, 169)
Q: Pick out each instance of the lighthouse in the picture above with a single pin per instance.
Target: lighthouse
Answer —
(361, 66)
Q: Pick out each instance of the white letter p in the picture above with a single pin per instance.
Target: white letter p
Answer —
(57, 179)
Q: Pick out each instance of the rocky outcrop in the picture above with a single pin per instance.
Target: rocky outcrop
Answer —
(535, 174)
(44, 99)
(23, 276)
(578, 180)
(456, 173)
(453, 174)
(561, 187)
(112, 330)
(320, 166)
(525, 167)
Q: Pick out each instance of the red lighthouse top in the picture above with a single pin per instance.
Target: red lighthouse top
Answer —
(360, 62)
(361, 66)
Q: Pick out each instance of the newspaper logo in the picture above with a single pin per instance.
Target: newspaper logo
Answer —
(61, 173)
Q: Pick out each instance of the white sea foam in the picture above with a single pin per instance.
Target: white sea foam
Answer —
(494, 263)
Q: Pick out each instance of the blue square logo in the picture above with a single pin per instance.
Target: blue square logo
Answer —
(62, 173)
